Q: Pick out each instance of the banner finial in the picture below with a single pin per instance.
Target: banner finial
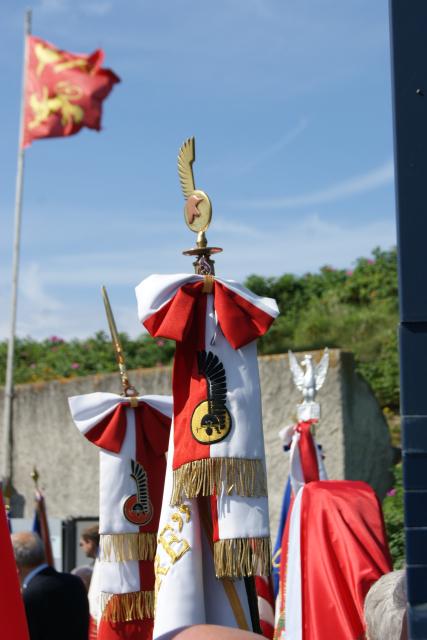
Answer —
(128, 389)
(197, 210)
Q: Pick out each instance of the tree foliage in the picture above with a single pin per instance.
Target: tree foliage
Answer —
(354, 310)
(55, 358)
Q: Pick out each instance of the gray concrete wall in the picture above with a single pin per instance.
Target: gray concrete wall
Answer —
(352, 430)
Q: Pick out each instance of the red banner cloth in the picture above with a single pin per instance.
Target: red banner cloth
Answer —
(183, 319)
(307, 451)
(63, 91)
(13, 622)
(343, 551)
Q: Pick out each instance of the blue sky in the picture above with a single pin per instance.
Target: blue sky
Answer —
(290, 104)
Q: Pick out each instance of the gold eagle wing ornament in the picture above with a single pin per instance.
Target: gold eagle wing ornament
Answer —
(198, 207)
(186, 158)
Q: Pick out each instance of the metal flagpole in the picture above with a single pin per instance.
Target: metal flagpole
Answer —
(8, 398)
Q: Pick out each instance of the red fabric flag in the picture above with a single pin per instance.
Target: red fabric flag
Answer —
(63, 91)
(13, 623)
(336, 549)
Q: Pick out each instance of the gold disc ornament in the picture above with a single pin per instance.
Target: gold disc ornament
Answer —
(207, 427)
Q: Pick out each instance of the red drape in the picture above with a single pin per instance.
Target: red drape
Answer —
(343, 552)
(13, 623)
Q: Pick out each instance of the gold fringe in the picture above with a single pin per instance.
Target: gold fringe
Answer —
(239, 557)
(120, 547)
(124, 607)
(208, 476)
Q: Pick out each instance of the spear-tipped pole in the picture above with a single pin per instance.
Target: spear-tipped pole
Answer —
(35, 478)
(41, 523)
(128, 389)
(7, 495)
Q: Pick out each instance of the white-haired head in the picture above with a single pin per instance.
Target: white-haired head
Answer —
(28, 549)
(385, 608)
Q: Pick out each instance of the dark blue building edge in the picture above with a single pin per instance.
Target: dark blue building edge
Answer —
(409, 76)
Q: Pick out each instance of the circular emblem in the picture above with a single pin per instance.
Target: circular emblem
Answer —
(198, 211)
(134, 513)
(208, 428)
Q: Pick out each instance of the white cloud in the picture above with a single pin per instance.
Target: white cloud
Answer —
(236, 167)
(96, 8)
(302, 246)
(88, 7)
(378, 177)
(38, 311)
(225, 226)
(54, 6)
(33, 289)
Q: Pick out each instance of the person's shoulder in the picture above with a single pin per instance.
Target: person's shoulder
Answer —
(50, 578)
(73, 584)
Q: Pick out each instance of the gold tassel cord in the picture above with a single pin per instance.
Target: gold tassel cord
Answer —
(240, 557)
(124, 607)
(121, 547)
(211, 476)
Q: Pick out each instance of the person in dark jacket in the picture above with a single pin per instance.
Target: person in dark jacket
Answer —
(56, 603)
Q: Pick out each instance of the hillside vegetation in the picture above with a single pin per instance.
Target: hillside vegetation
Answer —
(355, 310)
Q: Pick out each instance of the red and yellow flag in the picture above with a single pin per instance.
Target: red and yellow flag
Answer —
(63, 91)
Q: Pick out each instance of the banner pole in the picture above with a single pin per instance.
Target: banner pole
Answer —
(9, 387)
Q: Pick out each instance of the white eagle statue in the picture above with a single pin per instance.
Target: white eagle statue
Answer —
(309, 380)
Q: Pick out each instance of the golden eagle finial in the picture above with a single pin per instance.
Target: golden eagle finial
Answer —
(198, 207)
(186, 158)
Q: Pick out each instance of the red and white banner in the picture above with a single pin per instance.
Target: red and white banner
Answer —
(218, 437)
(335, 548)
(133, 435)
(187, 591)
(305, 458)
(266, 605)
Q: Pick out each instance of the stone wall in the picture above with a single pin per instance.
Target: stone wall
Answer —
(352, 430)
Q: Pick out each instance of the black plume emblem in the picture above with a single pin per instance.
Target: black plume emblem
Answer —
(139, 474)
(213, 370)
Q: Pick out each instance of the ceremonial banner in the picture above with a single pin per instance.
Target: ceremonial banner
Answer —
(63, 91)
(218, 438)
(187, 591)
(306, 464)
(266, 605)
(336, 548)
(41, 526)
(305, 459)
(13, 622)
(305, 455)
(132, 434)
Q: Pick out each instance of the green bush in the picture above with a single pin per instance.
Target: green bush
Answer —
(55, 358)
(393, 516)
(354, 310)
